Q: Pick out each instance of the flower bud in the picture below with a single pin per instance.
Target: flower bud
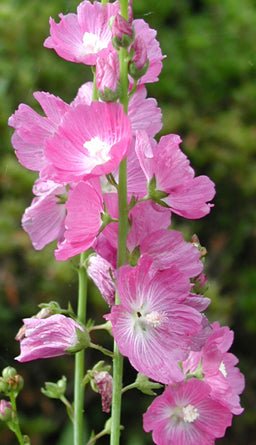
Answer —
(11, 381)
(9, 372)
(107, 77)
(51, 337)
(102, 383)
(55, 390)
(139, 63)
(5, 410)
(122, 32)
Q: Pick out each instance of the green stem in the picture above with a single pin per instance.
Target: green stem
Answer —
(101, 349)
(98, 436)
(15, 425)
(122, 236)
(129, 387)
(79, 358)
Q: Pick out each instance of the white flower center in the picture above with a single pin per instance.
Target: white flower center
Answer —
(190, 413)
(98, 150)
(222, 369)
(155, 318)
(152, 319)
(93, 43)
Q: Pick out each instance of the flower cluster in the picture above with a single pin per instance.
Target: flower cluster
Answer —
(76, 148)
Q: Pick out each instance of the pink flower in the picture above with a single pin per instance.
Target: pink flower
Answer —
(51, 337)
(83, 221)
(85, 36)
(92, 140)
(33, 130)
(151, 325)
(104, 385)
(44, 219)
(185, 414)
(102, 273)
(169, 169)
(154, 53)
(218, 368)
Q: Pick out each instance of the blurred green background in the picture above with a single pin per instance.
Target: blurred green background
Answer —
(208, 94)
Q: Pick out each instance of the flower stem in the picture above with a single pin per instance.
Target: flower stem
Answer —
(79, 357)
(15, 425)
(122, 236)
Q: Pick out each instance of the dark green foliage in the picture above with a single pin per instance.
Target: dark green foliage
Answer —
(208, 94)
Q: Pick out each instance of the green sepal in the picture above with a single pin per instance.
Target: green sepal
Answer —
(55, 390)
(83, 341)
(146, 386)
(136, 73)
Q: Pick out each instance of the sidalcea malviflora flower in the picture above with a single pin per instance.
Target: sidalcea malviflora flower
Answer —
(51, 337)
(91, 141)
(171, 179)
(85, 36)
(151, 309)
(185, 414)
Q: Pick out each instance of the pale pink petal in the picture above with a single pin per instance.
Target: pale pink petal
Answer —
(167, 248)
(83, 221)
(44, 219)
(144, 113)
(102, 273)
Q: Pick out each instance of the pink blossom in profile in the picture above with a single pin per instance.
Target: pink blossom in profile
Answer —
(153, 50)
(102, 273)
(83, 220)
(33, 130)
(151, 310)
(91, 141)
(50, 337)
(187, 195)
(185, 414)
(218, 368)
(44, 219)
(85, 36)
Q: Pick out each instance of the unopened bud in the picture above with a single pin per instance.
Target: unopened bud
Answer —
(122, 32)
(139, 63)
(9, 372)
(5, 410)
(102, 383)
(55, 390)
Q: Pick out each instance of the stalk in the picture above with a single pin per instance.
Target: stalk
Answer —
(121, 256)
(79, 357)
